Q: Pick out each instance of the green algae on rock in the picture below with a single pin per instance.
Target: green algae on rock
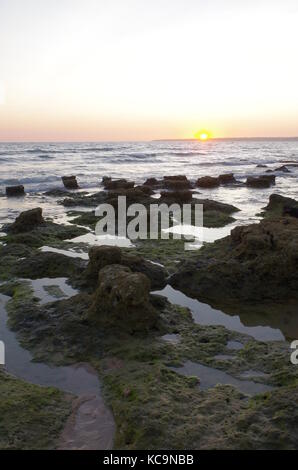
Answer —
(150, 403)
(122, 300)
(256, 263)
(32, 417)
(31, 229)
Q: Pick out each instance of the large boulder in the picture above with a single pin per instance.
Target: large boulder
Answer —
(256, 263)
(122, 300)
(101, 256)
(281, 205)
(70, 182)
(27, 221)
(13, 191)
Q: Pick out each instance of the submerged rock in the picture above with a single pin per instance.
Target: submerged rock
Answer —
(283, 168)
(256, 263)
(12, 191)
(70, 182)
(26, 221)
(122, 300)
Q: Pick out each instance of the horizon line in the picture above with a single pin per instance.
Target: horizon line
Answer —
(187, 139)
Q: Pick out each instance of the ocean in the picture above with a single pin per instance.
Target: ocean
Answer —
(39, 167)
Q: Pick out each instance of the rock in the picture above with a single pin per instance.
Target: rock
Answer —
(48, 264)
(210, 205)
(156, 273)
(177, 185)
(257, 263)
(27, 221)
(227, 178)
(56, 192)
(178, 182)
(261, 166)
(264, 181)
(292, 211)
(101, 256)
(153, 182)
(12, 191)
(70, 182)
(279, 205)
(118, 184)
(106, 179)
(32, 230)
(133, 195)
(122, 300)
(283, 168)
(172, 197)
(145, 189)
(207, 182)
(176, 178)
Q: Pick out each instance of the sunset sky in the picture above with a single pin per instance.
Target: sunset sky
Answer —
(139, 69)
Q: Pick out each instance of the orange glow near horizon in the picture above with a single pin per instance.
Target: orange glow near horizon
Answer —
(203, 135)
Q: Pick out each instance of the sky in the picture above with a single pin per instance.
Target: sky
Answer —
(91, 70)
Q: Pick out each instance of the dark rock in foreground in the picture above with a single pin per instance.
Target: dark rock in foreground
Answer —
(12, 191)
(122, 300)
(101, 256)
(256, 263)
(70, 182)
(279, 205)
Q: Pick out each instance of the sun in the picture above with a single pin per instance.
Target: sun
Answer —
(202, 135)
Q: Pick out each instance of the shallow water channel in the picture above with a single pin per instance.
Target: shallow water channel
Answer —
(91, 424)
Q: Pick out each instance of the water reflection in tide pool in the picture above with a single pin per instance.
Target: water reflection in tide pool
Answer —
(205, 315)
(210, 377)
(92, 425)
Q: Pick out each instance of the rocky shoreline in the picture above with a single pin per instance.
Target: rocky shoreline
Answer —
(120, 328)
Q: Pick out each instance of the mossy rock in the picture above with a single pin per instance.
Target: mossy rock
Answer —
(32, 417)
